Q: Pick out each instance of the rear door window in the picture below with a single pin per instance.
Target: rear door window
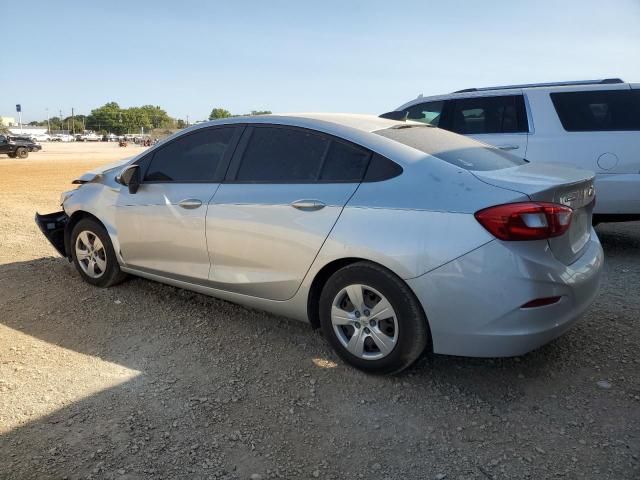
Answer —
(282, 155)
(275, 154)
(344, 163)
(487, 115)
(598, 110)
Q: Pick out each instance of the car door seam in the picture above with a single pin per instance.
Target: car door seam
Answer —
(206, 238)
(323, 242)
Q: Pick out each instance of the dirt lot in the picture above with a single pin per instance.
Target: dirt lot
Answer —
(148, 381)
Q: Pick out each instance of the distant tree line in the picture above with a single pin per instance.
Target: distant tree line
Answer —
(111, 118)
(115, 119)
(218, 113)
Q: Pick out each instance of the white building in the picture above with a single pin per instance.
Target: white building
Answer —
(8, 121)
(27, 130)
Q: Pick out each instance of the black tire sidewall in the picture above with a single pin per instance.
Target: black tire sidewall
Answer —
(413, 331)
(22, 153)
(113, 273)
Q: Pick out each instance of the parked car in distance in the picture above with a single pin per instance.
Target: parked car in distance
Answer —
(91, 137)
(62, 137)
(42, 137)
(592, 124)
(393, 237)
(17, 147)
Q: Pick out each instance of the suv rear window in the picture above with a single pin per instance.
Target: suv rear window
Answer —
(454, 149)
(598, 110)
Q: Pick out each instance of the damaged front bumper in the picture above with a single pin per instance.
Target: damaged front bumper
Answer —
(53, 227)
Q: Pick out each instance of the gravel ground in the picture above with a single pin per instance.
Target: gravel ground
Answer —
(148, 381)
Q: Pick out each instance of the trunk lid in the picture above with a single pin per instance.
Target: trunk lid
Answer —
(557, 184)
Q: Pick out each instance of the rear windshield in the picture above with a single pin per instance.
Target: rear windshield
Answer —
(455, 149)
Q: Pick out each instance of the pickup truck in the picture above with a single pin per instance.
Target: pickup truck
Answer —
(17, 148)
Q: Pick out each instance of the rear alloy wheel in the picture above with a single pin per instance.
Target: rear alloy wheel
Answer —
(93, 254)
(22, 152)
(372, 319)
(364, 322)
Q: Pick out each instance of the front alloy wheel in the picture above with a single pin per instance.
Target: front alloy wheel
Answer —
(91, 255)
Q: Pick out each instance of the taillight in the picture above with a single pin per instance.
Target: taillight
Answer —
(526, 220)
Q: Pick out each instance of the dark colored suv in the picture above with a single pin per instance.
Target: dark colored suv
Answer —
(17, 147)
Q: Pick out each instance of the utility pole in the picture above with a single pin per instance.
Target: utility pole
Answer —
(61, 124)
(73, 123)
(48, 124)
(187, 120)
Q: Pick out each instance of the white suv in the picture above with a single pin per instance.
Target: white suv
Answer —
(592, 124)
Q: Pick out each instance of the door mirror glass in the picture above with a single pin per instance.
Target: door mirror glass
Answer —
(130, 177)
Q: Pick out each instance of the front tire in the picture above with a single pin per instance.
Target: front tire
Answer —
(93, 254)
(372, 319)
(22, 152)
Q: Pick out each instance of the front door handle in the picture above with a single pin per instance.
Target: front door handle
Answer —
(508, 147)
(190, 203)
(308, 205)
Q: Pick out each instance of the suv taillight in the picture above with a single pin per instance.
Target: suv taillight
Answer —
(526, 220)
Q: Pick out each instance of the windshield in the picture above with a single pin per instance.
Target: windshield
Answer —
(455, 149)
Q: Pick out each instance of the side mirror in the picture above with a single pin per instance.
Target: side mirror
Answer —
(130, 177)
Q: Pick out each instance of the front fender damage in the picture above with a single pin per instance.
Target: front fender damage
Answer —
(53, 226)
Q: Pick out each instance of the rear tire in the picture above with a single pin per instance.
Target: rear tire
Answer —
(93, 254)
(383, 330)
(22, 152)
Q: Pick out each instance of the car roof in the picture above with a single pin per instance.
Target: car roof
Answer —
(578, 85)
(362, 122)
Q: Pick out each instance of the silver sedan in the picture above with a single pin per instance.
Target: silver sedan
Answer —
(392, 237)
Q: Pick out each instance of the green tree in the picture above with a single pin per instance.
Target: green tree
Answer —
(107, 117)
(157, 116)
(260, 112)
(73, 125)
(217, 113)
(136, 118)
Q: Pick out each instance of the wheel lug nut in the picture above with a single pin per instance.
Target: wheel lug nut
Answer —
(367, 313)
(357, 314)
(366, 330)
(356, 325)
(372, 323)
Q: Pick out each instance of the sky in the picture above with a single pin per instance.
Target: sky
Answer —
(299, 56)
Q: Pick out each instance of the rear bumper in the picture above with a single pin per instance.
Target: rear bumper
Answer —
(617, 194)
(473, 303)
(52, 226)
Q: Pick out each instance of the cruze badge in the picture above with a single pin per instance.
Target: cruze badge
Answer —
(573, 197)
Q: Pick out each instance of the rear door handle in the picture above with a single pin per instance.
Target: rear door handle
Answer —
(308, 205)
(508, 147)
(190, 203)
